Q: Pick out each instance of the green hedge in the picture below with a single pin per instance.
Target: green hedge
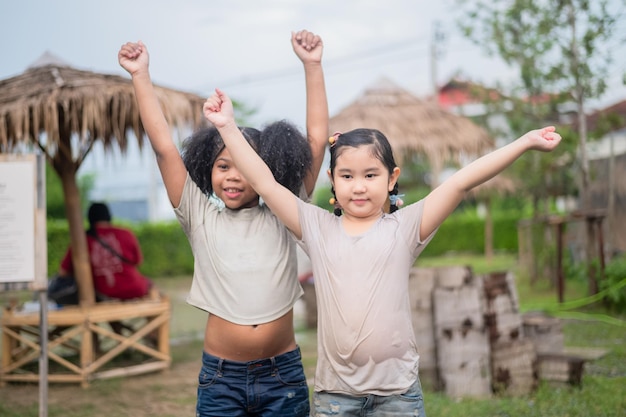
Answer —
(167, 253)
(460, 233)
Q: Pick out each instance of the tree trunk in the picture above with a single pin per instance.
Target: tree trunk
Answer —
(488, 230)
(584, 160)
(78, 239)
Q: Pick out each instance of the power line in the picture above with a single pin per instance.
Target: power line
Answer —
(403, 48)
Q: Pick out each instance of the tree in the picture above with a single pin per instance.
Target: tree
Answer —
(561, 48)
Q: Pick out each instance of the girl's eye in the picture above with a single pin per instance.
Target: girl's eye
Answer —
(346, 176)
(222, 167)
(370, 175)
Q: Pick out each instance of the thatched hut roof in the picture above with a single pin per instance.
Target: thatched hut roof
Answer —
(55, 98)
(413, 125)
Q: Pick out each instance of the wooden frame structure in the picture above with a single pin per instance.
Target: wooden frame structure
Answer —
(81, 343)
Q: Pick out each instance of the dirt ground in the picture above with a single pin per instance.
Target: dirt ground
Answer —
(170, 393)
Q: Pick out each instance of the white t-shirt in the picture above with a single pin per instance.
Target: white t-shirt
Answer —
(366, 343)
(245, 267)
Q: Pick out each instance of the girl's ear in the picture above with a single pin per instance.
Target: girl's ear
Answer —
(330, 176)
(393, 178)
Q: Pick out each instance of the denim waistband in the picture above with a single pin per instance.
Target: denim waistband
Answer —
(221, 364)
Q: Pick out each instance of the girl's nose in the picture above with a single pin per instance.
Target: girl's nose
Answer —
(233, 175)
(359, 186)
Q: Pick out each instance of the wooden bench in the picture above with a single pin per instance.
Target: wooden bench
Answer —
(81, 344)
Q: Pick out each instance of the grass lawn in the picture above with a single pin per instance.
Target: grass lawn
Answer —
(603, 390)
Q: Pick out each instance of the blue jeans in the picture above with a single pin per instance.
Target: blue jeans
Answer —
(409, 404)
(266, 387)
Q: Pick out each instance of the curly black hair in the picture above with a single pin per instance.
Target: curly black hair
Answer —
(280, 144)
(287, 152)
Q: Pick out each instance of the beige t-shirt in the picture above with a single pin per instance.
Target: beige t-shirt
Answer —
(245, 267)
(366, 343)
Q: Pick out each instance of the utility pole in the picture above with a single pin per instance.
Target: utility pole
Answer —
(436, 52)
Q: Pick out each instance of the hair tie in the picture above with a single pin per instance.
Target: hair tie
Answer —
(334, 138)
(396, 200)
(216, 201)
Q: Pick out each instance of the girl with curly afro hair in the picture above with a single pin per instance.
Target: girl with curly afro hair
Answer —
(245, 266)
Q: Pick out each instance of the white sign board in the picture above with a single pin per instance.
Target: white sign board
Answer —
(19, 218)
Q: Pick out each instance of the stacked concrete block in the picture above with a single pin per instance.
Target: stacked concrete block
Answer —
(461, 338)
(421, 284)
(545, 332)
(513, 358)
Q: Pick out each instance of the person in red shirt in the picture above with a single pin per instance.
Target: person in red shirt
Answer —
(114, 254)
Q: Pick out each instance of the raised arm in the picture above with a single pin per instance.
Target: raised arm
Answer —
(308, 47)
(218, 109)
(134, 58)
(442, 201)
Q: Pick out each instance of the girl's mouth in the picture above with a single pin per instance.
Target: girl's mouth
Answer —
(232, 192)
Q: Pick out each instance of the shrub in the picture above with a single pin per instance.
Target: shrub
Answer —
(614, 283)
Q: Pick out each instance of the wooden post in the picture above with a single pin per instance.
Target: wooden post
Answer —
(591, 254)
(488, 230)
(86, 352)
(43, 355)
(560, 226)
(600, 246)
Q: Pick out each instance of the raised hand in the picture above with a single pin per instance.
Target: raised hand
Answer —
(218, 109)
(544, 140)
(307, 46)
(133, 57)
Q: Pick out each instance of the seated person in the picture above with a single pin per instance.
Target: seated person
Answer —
(114, 254)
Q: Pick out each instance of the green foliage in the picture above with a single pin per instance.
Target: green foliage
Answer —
(58, 242)
(465, 234)
(556, 45)
(477, 262)
(574, 271)
(165, 248)
(55, 201)
(562, 52)
(614, 283)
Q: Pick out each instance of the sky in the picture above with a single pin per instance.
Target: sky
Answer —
(243, 46)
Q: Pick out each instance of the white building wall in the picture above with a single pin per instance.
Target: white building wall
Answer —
(129, 183)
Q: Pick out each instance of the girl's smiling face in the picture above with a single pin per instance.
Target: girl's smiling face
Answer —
(229, 185)
(362, 182)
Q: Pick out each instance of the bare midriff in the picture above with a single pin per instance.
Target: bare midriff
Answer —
(243, 343)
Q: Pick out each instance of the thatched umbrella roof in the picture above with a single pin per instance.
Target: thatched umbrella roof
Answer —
(63, 111)
(413, 125)
(53, 98)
